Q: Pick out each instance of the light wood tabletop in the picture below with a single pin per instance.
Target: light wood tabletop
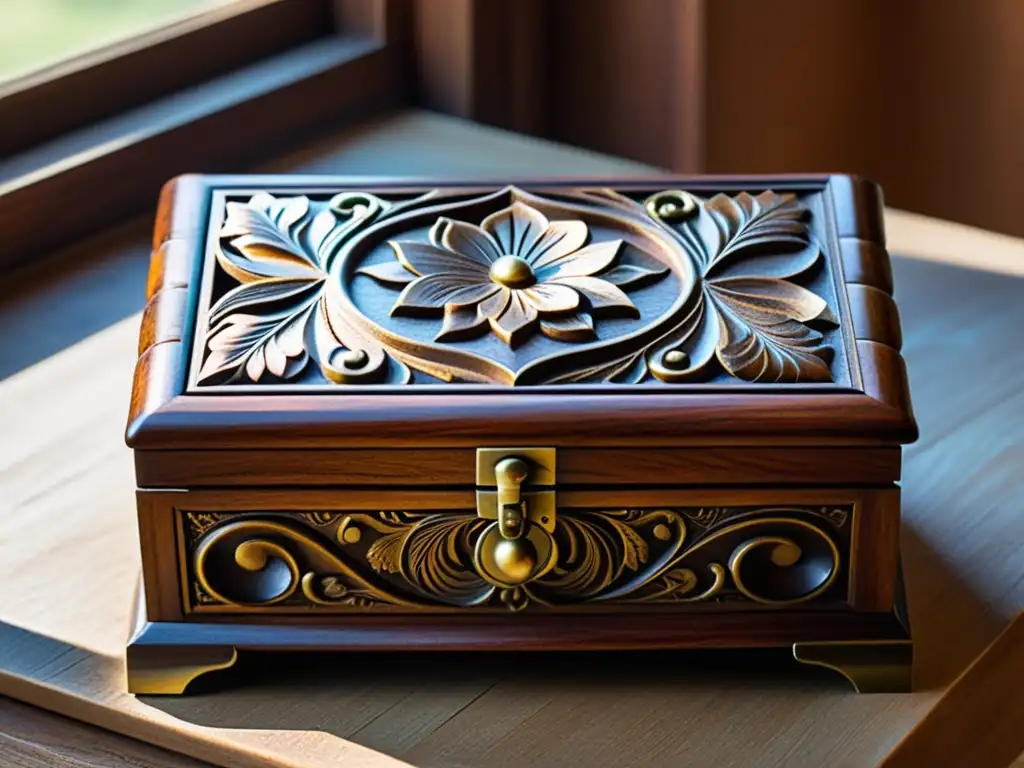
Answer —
(68, 548)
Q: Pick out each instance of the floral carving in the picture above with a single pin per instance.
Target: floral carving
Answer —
(515, 271)
(738, 303)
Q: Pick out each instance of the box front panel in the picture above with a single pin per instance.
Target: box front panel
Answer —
(316, 553)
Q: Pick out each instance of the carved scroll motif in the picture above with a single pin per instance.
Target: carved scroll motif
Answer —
(426, 561)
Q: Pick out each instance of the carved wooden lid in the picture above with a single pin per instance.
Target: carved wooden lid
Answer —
(296, 312)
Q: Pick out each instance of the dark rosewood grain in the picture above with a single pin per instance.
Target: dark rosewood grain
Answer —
(740, 465)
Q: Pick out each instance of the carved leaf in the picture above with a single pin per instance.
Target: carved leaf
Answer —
(766, 346)
(437, 559)
(385, 554)
(595, 549)
(634, 548)
(264, 295)
(264, 245)
(256, 344)
(743, 226)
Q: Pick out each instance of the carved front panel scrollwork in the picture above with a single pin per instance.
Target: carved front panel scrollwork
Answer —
(594, 559)
(515, 287)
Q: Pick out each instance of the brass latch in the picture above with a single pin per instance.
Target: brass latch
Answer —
(516, 489)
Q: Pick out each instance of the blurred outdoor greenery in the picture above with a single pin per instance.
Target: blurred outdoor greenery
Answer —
(37, 33)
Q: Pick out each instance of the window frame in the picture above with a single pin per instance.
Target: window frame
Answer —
(295, 65)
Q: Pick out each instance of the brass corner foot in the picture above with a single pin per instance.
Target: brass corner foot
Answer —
(168, 669)
(873, 666)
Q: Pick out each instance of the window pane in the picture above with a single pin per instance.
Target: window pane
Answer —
(37, 33)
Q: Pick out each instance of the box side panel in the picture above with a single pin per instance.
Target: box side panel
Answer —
(312, 554)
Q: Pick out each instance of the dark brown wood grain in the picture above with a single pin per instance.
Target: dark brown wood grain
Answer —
(158, 543)
(876, 551)
(740, 465)
(533, 632)
(310, 421)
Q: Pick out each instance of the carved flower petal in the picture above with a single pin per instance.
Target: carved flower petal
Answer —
(472, 294)
(467, 239)
(601, 295)
(559, 239)
(582, 263)
(388, 272)
(460, 323)
(773, 299)
(514, 324)
(516, 228)
(424, 259)
(577, 327)
(495, 305)
(434, 291)
(633, 276)
(546, 297)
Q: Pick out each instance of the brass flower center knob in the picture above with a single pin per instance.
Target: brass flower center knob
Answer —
(512, 272)
(516, 559)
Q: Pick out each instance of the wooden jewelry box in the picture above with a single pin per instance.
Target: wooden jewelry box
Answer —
(376, 414)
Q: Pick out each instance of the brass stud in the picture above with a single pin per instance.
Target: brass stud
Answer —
(512, 272)
(670, 205)
(662, 532)
(516, 559)
(675, 359)
(354, 358)
(352, 535)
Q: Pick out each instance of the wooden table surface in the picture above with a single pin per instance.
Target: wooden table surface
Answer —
(68, 540)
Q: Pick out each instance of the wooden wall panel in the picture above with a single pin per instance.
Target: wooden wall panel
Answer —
(966, 150)
(626, 78)
(921, 95)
